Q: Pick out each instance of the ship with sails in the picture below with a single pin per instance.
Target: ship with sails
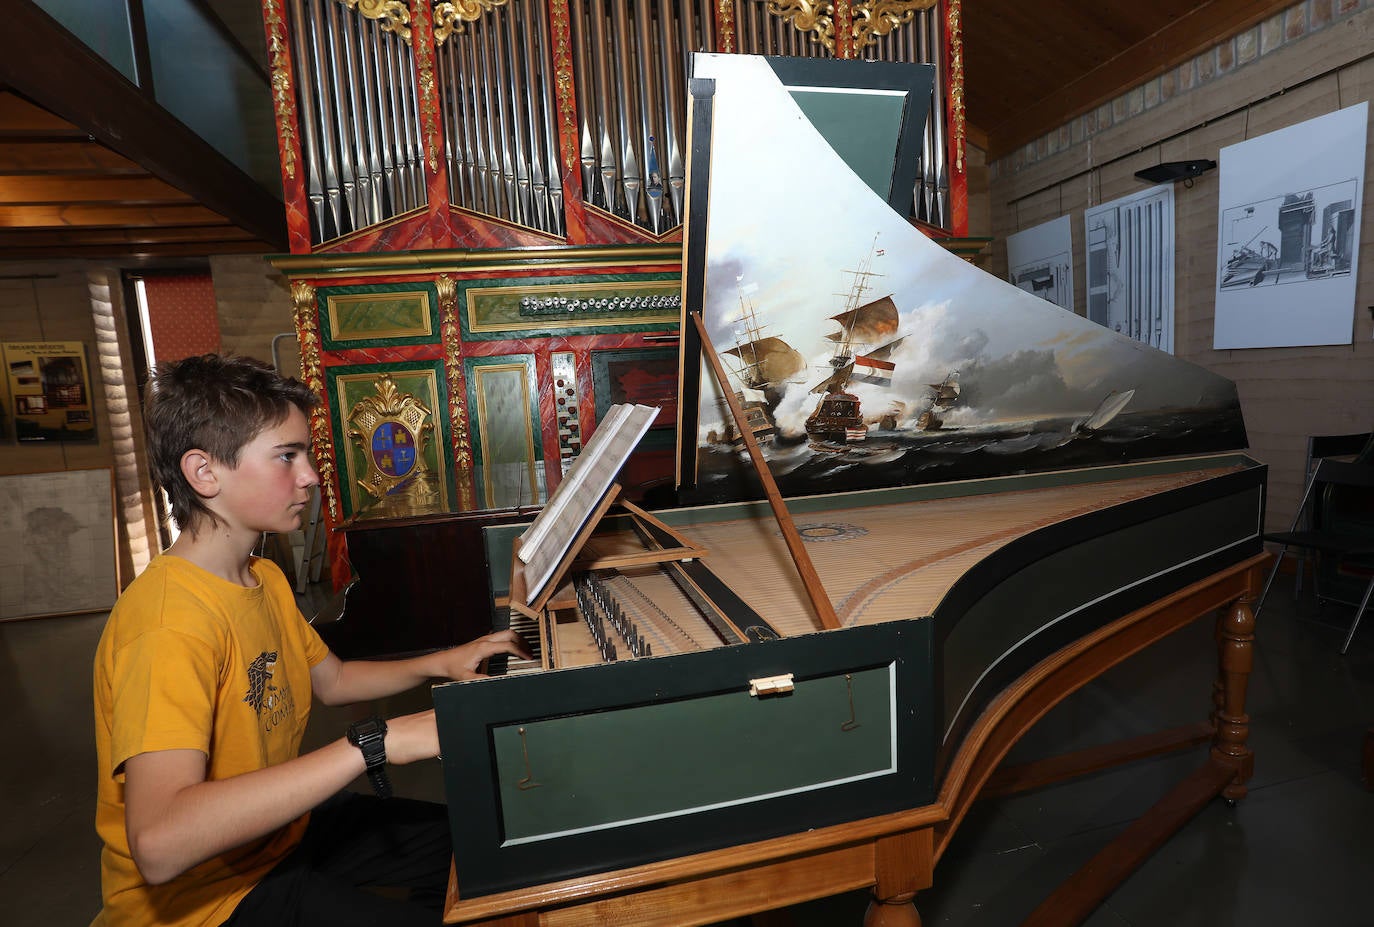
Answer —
(944, 396)
(864, 346)
(764, 363)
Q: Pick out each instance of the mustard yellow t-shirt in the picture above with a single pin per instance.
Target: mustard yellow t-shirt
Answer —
(188, 660)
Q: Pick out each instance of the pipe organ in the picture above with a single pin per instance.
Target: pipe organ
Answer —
(553, 121)
(485, 202)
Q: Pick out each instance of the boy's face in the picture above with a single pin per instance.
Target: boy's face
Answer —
(270, 487)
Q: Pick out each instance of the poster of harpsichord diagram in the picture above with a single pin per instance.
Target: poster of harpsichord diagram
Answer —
(866, 355)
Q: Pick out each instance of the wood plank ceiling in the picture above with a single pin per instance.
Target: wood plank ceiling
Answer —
(91, 166)
(1031, 67)
(105, 180)
(65, 195)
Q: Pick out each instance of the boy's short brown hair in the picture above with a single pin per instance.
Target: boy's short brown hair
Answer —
(217, 404)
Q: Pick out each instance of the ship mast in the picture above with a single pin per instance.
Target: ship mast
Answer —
(859, 285)
(749, 372)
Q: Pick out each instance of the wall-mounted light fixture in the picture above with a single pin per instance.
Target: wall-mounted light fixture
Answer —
(1170, 171)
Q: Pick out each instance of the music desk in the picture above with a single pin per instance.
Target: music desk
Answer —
(892, 853)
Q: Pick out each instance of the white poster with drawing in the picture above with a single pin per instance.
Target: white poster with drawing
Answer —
(1130, 243)
(1288, 231)
(1040, 261)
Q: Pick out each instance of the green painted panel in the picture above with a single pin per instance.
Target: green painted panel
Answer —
(379, 315)
(652, 761)
(861, 125)
(507, 450)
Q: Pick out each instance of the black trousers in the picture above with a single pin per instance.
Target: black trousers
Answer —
(353, 844)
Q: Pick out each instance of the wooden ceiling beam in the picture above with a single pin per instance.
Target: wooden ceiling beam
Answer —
(37, 238)
(112, 190)
(20, 118)
(51, 67)
(56, 216)
(128, 255)
(44, 156)
(1189, 34)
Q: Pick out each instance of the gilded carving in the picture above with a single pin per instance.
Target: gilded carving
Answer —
(429, 103)
(725, 23)
(880, 17)
(955, 31)
(563, 82)
(449, 17)
(308, 334)
(806, 16)
(282, 93)
(453, 368)
(393, 15)
(868, 19)
(844, 25)
(392, 429)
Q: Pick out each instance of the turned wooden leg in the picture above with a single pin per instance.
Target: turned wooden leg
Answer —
(1236, 640)
(904, 865)
(893, 913)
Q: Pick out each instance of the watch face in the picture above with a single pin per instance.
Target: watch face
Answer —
(369, 729)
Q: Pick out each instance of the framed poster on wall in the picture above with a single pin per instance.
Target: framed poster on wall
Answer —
(49, 390)
(1288, 234)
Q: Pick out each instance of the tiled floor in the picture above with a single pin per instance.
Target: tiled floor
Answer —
(1298, 851)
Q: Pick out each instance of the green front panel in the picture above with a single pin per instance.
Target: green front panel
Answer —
(503, 411)
(579, 773)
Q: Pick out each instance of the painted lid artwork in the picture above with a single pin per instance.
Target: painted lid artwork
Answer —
(865, 355)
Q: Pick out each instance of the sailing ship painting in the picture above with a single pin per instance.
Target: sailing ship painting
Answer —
(861, 347)
(863, 323)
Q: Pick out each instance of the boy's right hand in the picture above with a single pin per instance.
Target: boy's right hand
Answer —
(412, 737)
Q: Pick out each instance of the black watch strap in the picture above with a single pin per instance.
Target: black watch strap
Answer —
(369, 736)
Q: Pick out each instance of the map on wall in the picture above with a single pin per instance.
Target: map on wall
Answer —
(62, 559)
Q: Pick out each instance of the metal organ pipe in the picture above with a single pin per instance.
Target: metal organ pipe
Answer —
(358, 102)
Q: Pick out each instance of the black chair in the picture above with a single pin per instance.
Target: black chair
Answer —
(1318, 528)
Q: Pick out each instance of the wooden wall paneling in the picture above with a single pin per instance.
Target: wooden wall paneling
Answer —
(1294, 106)
(1018, 184)
(1038, 207)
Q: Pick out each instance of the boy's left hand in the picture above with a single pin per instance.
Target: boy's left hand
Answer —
(465, 662)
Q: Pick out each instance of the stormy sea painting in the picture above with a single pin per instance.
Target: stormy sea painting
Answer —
(865, 355)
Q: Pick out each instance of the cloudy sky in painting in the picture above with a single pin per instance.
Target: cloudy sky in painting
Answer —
(788, 218)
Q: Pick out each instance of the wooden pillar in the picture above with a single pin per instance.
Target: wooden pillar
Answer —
(565, 98)
(440, 232)
(954, 96)
(456, 381)
(293, 182)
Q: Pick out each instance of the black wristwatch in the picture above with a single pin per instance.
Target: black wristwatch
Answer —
(369, 736)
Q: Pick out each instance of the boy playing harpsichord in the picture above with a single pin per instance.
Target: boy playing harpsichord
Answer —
(204, 678)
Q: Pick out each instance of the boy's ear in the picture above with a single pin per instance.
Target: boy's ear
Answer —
(198, 469)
